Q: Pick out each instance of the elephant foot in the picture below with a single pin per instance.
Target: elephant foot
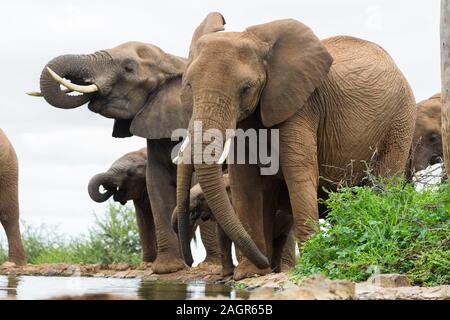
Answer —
(246, 269)
(227, 271)
(167, 264)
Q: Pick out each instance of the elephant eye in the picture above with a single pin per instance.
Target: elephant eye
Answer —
(433, 138)
(129, 69)
(245, 89)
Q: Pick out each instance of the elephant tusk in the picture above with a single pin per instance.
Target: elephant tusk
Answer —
(35, 94)
(39, 94)
(226, 151)
(179, 157)
(176, 160)
(72, 86)
(184, 145)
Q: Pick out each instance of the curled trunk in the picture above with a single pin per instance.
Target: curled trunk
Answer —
(184, 177)
(76, 68)
(101, 179)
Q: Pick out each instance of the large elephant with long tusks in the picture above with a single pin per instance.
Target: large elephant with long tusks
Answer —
(336, 105)
(139, 86)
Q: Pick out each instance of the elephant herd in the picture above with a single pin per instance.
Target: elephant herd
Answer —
(336, 105)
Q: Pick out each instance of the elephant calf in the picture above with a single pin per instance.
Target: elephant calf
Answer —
(126, 180)
(9, 202)
(427, 141)
(283, 243)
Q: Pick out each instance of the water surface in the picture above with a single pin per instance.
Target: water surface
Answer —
(36, 287)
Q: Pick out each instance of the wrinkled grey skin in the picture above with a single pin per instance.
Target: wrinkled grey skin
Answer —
(427, 141)
(9, 200)
(139, 87)
(125, 180)
(283, 252)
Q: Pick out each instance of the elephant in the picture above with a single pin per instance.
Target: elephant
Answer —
(283, 256)
(336, 104)
(138, 85)
(126, 180)
(427, 140)
(9, 200)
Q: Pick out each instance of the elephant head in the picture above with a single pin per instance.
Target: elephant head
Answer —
(427, 141)
(136, 84)
(124, 180)
(271, 69)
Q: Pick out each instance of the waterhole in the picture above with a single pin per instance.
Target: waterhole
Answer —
(35, 287)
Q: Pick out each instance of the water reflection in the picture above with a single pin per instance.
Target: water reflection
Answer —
(30, 287)
(157, 290)
(8, 287)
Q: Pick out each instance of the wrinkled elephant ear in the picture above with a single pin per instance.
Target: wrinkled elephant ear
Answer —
(163, 113)
(297, 63)
(213, 22)
(121, 129)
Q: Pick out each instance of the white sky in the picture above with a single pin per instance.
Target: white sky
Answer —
(59, 150)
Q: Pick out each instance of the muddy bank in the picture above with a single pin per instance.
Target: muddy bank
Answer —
(205, 272)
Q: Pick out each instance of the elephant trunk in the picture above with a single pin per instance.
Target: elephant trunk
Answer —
(184, 177)
(101, 179)
(78, 69)
(214, 189)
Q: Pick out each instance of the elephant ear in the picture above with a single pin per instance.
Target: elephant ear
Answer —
(213, 22)
(121, 129)
(297, 62)
(163, 113)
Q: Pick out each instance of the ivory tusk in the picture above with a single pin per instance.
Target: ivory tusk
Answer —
(72, 86)
(39, 94)
(184, 144)
(226, 151)
(35, 94)
(179, 158)
(176, 160)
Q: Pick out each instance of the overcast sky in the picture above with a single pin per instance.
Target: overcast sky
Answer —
(59, 150)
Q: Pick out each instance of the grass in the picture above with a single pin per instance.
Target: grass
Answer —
(113, 238)
(387, 228)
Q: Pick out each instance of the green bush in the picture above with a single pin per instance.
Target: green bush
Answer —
(389, 228)
(114, 238)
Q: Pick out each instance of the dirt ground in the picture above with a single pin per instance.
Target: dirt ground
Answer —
(272, 286)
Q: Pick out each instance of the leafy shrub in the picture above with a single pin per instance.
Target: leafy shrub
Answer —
(390, 228)
(114, 238)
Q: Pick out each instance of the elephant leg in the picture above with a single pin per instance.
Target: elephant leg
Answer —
(393, 155)
(162, 195)
(278, 246)
(146, 228)
(288, 253)
(247, 196)
(225, 252)
(9, 217)
(298, 158)
(209, 238)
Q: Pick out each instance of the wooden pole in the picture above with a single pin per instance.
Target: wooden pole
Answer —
(445, 75)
